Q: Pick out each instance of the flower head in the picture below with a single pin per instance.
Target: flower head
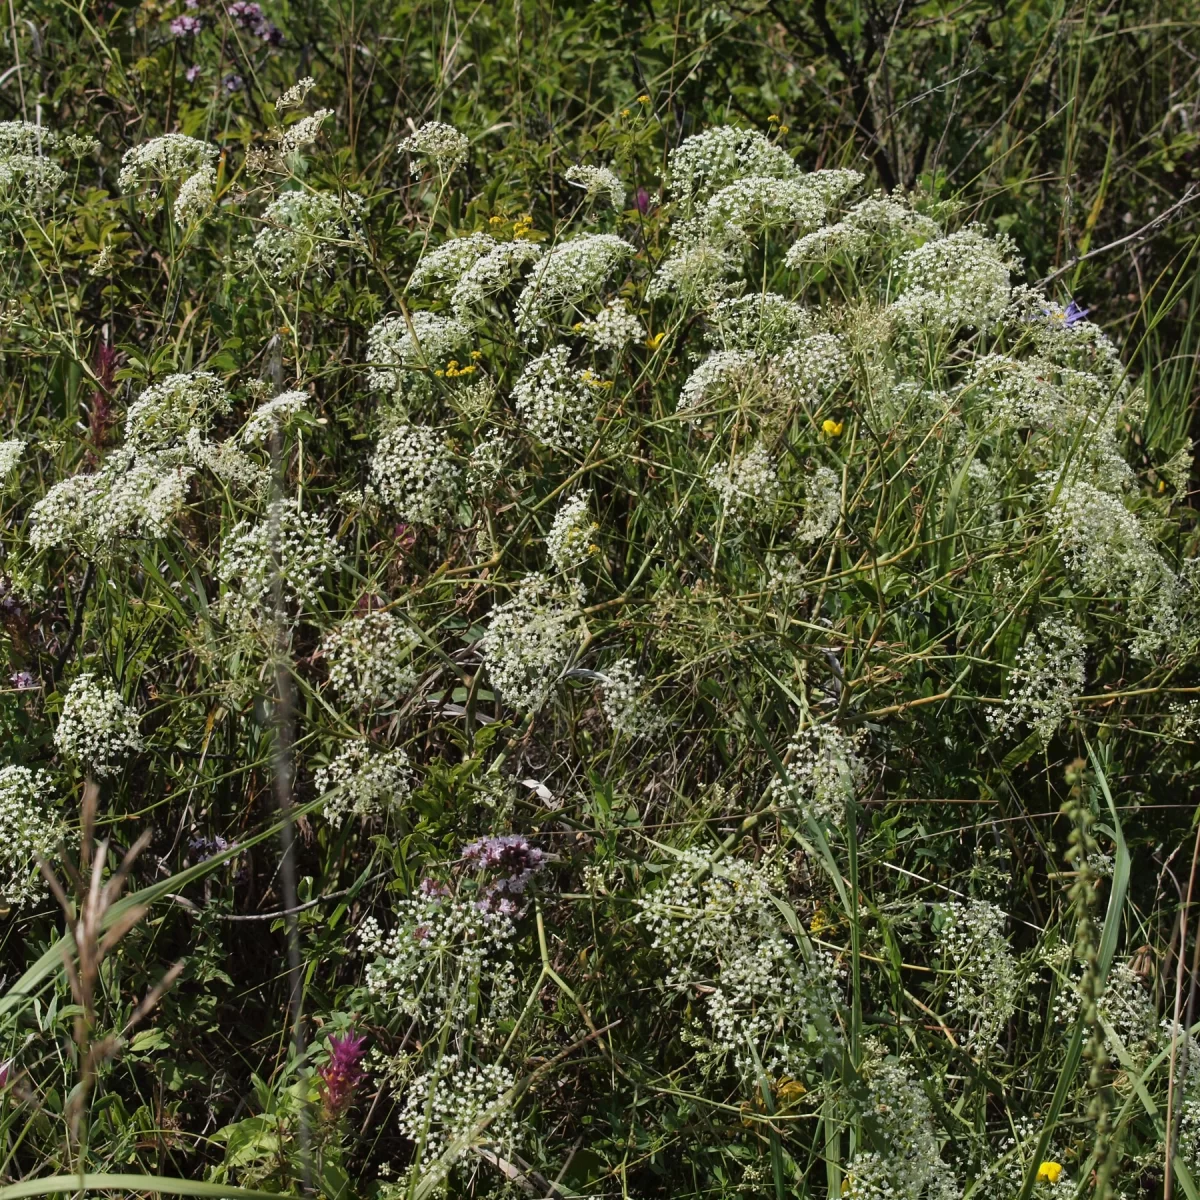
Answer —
(342, 1074)
(1049, 1172)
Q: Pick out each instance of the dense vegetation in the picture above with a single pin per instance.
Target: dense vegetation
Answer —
(599, 601)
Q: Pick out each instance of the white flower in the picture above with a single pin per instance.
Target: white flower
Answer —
(396, 345)
(528, 642)
(268, 417)
(439, 144)
(447, 263)
(822, 506)
(1045, 679)
(370, 658)
(556, 403)
(97, 728)
(613, 327)
(131, 496)
(362, 782)
(984, 986)
(10, 455)
(412, 471)
(569, 541)
(597, 181)
(195, 196)
(167, 411)
(958, 280)
(296, 94)
(459, 1106)
(488, 276)
(30, 827)
(302, 231)
(713, 159)
(281, 557)
(571, 272)
(762, 321)
(626, 702)
(722, 373)
(824, 772)
(696, 272)
(748, 486)
(163, 160)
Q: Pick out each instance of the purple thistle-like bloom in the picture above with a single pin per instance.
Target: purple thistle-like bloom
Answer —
(233, 83)
(342, 1074)
(1074, 314)
(642, 200)
(22, 681)
(186, 26)
(192, 73)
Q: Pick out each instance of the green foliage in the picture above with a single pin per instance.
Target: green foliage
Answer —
(839, 714)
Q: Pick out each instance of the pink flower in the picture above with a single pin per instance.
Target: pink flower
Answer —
(342, 1074)
(186, 26)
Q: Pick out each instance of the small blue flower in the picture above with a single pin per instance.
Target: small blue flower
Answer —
(1074, 314)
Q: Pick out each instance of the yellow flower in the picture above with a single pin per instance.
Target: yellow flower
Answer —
(1049, 1171)
(653, 343)
(624, 112)
(784, 128)
(847, 1184)
(643, 99)
(496, 220)
(820, 922)
(833, 428)
(477, 354)
(774, 117)
(790, 1090)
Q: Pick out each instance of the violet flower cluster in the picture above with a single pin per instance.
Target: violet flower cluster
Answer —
(512, 854)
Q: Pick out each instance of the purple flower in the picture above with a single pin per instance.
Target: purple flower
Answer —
(186, 26)
(642, 200)
(511, 853)
(22, 681)
(1074, 314)
(433, 888)
(192, 73)
(233, 83)
(269, 33)
(208, 846)
(342, 1074)
(245, 14)
(191, 3)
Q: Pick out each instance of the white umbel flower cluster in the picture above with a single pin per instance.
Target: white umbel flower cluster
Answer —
(613, 327)
(195, 196)
(97, 728)
(626, 701)
(825, 771)
(459, 1106)
(30, 827)
(961, 280)
(440, 946)
(282, 557)
(556, 403)
(163, 161)
(396, 346)
(10, 455)
(414, 473)
(364, 782)
(167, 411)
(303, 231)
(570, 540)
(440, 145)
(446, 264)
(490, 275)
(1046, 676)
(528, 643)
(572, 271)
(768, 1006)
(748, 486)
(370, 659)
(273, 415)
(984, 982)
(598, 181)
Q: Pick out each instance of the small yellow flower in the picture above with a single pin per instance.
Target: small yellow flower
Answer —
(1050, 1171)
(624, 112)
(774, 117)
(496, 220)
(1162, 487)
(820, 922)
(653, 343)
(784, 128)
(847, 1184)
(476, 354)
(790, 1090)
(643, 99)
(831, 427)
